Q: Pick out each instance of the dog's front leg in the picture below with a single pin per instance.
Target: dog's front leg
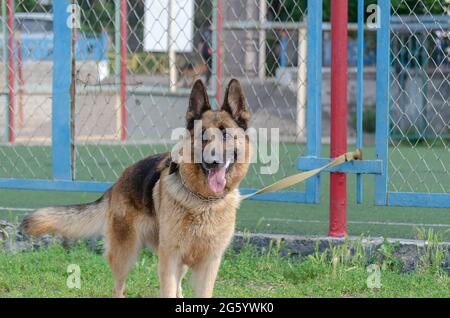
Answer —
(169, 269)
(204, 276)
(182, 271)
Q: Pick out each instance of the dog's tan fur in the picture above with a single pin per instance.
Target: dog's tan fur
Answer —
(165, 206)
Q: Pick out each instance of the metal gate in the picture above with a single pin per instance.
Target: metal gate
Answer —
(93, 128)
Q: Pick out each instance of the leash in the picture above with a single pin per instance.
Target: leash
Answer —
(302, 176)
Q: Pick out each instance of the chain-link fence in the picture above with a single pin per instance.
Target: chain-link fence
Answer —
(420, 97)
(136, 61)
(169, 44)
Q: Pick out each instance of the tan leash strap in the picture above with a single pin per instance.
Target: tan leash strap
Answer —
(302, 176)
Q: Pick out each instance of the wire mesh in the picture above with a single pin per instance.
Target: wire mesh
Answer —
(420, 97)
(262, 43)
(156, 99)
(25, 103)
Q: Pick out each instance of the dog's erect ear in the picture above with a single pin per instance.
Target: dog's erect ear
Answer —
(198, 104)
(235, 104)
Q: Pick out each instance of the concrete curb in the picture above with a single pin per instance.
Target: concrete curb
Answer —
(406, 250)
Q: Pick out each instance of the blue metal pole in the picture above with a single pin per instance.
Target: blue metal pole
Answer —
(314, 105)
(283, 50)
(359, 98)
(383, 97)
(62, 68)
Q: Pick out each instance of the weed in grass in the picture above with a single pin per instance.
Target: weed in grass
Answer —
(434, 253)
(274, 249)
(318, 257)
(359, 256)
(340, 256)
(385, 256)
(246, 236)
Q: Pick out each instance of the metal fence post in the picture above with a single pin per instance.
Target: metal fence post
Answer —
(338, 116)
(360, 96)
(314, 106)
(61, 104)
(382, 98)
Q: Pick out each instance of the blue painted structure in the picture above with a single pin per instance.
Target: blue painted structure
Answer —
(353, 52)
(62, 68)
(37, 41)
(314, 93)
(283, 49)
(382, 99)
(359, 97)
(41, 48)
(62, 179)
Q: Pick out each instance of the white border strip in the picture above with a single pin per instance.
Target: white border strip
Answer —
(16, 209)
(294, 220)
(361, 222)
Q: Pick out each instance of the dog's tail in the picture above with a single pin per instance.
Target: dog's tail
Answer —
(74, 221)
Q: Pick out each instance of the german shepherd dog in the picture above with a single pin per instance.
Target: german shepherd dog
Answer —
(185, 211)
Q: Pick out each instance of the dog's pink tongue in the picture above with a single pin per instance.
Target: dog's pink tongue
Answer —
(216, 179)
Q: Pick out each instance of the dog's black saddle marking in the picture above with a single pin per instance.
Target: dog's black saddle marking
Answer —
(141, 180)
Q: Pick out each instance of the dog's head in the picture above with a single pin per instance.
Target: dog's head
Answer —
(221, 150)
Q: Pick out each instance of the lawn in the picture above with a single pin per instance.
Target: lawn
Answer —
(104, 163)
(44, 273)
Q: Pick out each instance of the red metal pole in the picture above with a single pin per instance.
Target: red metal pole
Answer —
(123, 69)
(219, 52)
(11, 92)
(339, 76)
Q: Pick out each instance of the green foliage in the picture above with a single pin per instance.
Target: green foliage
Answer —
(385, 255)
(369, 119)
(274, 249)
(433, 254)
(30, 6)
(407, 7)
(97, 16)
(289, 10)
(318, 257)
(148, 63)
(272, 62)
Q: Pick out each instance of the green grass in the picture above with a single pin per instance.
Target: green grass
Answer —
(104, 163)
(43, 273)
